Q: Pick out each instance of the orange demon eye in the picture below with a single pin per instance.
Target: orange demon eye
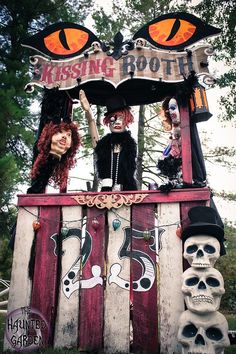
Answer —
(171, 32)
(62, 40)
(175, 31)
(66, 41)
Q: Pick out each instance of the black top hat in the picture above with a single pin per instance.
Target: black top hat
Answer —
(204, 221)
(115, 103)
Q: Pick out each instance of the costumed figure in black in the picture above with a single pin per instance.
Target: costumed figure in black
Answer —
(170, 163)
(115, 152)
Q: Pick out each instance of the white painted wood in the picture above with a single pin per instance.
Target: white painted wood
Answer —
(21, 285)
(117, 298)
(171, 300)
(66, 329)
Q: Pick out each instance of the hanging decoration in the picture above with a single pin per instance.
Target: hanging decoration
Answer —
(95, 224)
(199, 105)
(36, 225)
(147, 235)
(116, 224)
(64, 231)
(179, 231)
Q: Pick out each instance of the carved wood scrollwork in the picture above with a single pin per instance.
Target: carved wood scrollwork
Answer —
(109, 201)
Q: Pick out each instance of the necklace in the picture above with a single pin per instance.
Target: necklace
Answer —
(116, 150)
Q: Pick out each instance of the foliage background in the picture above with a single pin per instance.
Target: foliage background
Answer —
(18, 124)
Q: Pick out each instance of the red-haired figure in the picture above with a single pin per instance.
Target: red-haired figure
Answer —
(115, 152)
(57, 147)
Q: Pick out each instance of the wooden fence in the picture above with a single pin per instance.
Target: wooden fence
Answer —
(103, 270)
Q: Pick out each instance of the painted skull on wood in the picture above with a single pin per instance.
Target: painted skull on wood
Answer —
(206, 334)
(202, 289)
(201, 251)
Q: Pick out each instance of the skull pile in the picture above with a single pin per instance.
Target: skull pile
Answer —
(202, 329)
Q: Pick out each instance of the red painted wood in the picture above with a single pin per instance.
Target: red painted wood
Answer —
(186, 145)
(185, 221)
(44, 289)
(145, 314)
(92, 300)
(176, 195)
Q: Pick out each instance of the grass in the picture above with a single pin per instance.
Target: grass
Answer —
(231, 350)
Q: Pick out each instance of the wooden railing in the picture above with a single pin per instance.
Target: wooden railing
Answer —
(103, 270)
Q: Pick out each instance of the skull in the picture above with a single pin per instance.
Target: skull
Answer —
(205, 334)
(140, 43)
(201, 251)
(202, 289)
(96, 47)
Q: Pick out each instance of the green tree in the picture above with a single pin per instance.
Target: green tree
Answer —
(222, 14)
(227, 266)
(19, 19)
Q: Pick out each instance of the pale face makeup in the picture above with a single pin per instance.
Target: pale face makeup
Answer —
(116, 124)
(174, 111)
(61, 142)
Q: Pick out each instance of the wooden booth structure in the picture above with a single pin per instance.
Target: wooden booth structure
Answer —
(102, 272)
(107, 268)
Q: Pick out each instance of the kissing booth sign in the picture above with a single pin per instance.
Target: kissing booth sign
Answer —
(102, 271)
(143, 70)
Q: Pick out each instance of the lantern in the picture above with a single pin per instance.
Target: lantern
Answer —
(199, 109)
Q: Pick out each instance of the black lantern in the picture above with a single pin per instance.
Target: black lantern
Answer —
(199, 109)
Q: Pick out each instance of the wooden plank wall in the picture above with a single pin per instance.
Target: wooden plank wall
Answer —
(98, 287)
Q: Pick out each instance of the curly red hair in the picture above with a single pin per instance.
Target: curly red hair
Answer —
(126, 113)
(67, 161)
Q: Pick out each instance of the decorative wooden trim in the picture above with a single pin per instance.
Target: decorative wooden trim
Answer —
(109, 200)
(175, 195)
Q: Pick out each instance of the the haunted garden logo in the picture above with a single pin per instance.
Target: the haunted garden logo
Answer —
(26, 329)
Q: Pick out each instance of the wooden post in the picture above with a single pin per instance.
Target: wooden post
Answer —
(145, 319)
(92, 295)
(170, 258)
(117, 295)
(66, 328)
(21, 284)
(44, 290)
(186, 145)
